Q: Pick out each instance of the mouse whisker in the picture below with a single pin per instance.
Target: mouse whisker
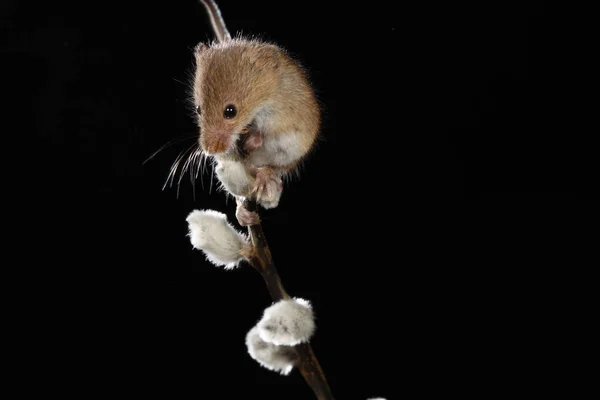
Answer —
(169, 143)
(186, 84)
(199, 156)
(198, 164)
(189, 166)
(211, 178)
(186, 165)
(194, 171)
(201, 165)
(175, 166)
(204, 161)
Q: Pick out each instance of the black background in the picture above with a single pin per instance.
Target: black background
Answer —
(442, 154)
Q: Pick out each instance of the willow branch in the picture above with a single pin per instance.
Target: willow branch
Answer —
(262, 261)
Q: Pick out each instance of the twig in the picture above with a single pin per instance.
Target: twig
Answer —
(262, 261)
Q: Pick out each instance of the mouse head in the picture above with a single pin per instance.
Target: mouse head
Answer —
(234, 81)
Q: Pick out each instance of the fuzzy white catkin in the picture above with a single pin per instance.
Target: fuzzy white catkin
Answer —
(377, 398)
(276, 358)
(287, 322)
(210, 232)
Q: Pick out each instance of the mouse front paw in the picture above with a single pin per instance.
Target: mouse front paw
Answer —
(268, 187)
(234, 177)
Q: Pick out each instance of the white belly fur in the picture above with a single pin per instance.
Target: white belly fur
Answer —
(278, 150)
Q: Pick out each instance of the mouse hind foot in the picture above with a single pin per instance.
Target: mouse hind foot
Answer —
(245, 217)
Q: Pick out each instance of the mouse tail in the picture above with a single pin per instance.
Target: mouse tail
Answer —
(216, 20)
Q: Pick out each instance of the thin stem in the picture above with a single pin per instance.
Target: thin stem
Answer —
(262, 261)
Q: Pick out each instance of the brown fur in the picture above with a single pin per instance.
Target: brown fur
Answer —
(248, 74)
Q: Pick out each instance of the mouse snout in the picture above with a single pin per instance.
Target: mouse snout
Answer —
(215, 142)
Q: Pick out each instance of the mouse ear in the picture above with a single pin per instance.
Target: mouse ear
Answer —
(264, 58)
(200, 47)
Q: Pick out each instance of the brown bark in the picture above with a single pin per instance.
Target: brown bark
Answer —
(262, 261)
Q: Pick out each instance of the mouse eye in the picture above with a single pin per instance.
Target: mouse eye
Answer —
(198, 110)
(230, 111)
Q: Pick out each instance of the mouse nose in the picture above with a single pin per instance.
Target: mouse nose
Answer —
(215, 142)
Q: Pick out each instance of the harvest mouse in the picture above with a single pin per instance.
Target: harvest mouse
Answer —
(257, 113)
